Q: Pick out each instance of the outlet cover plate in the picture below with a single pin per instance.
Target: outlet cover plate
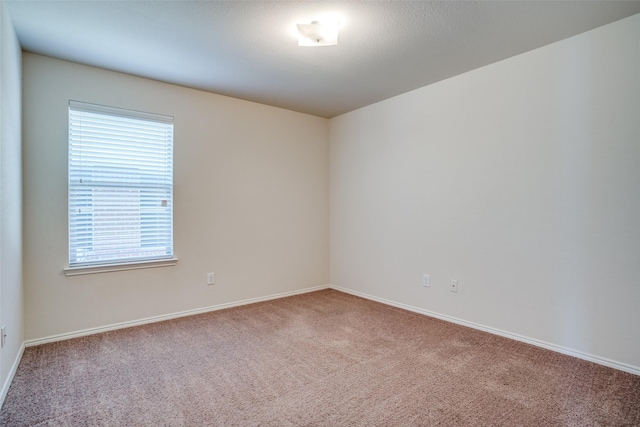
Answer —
(425, 281)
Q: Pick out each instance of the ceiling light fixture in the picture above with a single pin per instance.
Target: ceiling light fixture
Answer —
(318, 34)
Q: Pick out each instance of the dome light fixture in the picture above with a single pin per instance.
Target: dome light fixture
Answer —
(318, 34)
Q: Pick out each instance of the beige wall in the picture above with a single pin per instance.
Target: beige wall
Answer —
(520, 179)
(251, 201)
(11, 307)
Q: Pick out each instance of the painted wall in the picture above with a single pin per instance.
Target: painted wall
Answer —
(520, 179)
(11, 305)
(250, 201)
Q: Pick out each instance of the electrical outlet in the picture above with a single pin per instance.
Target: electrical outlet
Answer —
(454, 286)
(211, 279)
(425, 281)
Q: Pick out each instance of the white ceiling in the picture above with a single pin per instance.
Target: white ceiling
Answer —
(248, 49)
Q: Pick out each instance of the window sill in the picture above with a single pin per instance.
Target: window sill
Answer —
(107, 268)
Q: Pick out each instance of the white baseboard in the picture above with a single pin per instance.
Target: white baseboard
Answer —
(129, 324)
(553, 347)
(12, 373)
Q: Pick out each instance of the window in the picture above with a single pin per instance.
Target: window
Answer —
(120, 186)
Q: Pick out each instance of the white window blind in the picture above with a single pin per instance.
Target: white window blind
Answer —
(120, 186)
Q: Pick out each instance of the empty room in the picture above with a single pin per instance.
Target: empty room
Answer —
(319, 213)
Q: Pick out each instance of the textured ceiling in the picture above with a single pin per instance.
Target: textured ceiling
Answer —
(248, 49)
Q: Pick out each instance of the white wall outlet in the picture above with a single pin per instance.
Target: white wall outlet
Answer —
(3, 335)
(425, 281)
(211, 279)
(454, 286)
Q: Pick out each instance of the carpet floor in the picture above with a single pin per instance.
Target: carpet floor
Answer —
(320, 359)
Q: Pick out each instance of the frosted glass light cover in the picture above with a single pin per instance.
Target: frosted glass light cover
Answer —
(317, 34)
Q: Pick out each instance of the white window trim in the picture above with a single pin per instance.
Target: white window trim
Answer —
(107, 268)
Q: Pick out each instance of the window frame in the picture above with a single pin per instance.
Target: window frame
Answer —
(115, 263)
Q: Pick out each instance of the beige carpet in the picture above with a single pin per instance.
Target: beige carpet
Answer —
(319, 359)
